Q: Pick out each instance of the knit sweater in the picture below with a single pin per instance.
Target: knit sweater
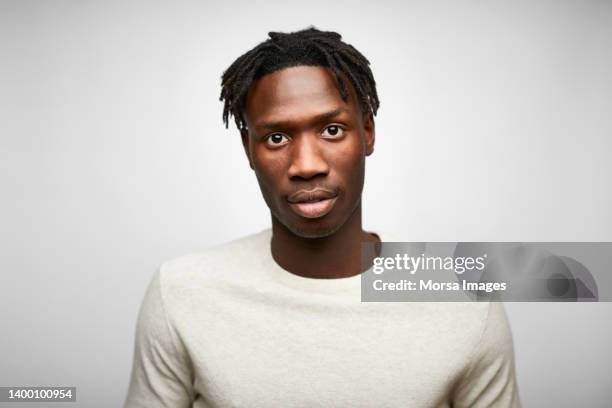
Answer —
(228, 327)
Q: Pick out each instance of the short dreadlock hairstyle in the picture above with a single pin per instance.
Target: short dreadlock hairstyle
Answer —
(310, 47)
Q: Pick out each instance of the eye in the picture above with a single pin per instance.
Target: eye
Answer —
(276, 140)
(333, 131)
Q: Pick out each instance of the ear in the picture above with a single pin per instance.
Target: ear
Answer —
(370, 133)
(244, 134)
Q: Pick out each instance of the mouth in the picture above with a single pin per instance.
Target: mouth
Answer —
(312, 204)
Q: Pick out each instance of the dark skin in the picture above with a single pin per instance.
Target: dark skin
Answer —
(303, 136)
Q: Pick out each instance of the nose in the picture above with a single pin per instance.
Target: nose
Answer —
(307, 158)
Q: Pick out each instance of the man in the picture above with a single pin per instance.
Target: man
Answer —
(275, 319)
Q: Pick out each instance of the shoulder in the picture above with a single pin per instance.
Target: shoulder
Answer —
(489, 322)
(467, 320)
(496, 336)
(222, 263)
(490, 377)
(460, 330)
(490, 338)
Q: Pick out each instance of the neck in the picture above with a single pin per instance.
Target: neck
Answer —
(335, 256)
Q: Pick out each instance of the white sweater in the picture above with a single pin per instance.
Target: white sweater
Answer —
(228, 327)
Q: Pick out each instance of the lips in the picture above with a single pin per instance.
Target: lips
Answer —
(312, 203)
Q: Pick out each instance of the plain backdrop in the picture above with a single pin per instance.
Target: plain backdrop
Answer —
(495, 125)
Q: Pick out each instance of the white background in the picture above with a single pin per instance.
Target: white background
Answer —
(494, 126)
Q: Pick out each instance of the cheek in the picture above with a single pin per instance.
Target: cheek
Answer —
(269, 171)
(355, 175)
(269, 166)
(350, 165)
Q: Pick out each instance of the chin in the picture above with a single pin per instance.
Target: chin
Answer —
(311, 229)
(314, 232)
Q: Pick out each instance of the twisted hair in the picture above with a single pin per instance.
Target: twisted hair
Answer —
(310, 47)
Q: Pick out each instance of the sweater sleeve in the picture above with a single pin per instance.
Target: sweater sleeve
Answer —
(490, 380)
(161, 372)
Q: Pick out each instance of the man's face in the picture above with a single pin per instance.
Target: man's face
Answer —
(308, 148)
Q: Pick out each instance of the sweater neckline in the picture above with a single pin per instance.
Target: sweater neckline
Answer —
(351, 284)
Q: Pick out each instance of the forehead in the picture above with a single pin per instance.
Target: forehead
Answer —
(297, 92)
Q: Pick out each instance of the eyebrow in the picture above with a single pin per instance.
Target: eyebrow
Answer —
(319, 118)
